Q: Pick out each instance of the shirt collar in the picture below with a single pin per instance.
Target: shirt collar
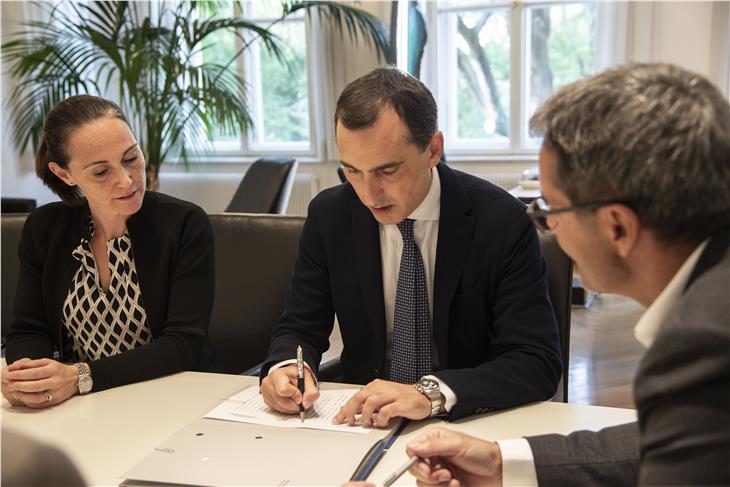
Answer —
(430, 207)
(648, 325)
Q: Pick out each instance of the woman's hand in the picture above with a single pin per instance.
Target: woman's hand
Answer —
(38, 383)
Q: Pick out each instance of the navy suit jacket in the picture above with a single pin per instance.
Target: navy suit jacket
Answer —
(493, 325)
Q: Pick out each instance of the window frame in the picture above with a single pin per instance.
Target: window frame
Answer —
(247, 148)
(520, 145)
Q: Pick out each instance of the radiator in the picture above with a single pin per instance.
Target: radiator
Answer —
(505, 181)
(305, 187)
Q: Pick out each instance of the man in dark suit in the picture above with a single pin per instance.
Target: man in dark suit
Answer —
(635, 173)
(436, 277)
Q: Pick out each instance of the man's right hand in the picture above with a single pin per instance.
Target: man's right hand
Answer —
(453, 459)
(281, 393)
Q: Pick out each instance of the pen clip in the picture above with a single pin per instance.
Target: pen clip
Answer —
(300, 362)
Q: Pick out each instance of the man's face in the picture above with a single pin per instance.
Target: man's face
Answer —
(389, 173)
(579, 233)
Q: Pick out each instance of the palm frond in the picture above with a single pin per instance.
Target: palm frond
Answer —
(174, 100)
(356, 22)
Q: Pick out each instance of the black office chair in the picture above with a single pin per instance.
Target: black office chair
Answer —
(560, 281)
(12, 228)
(17, 205)
(254, 261)
(266, 187)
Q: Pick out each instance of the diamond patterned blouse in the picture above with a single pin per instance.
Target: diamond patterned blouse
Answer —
(101, 324)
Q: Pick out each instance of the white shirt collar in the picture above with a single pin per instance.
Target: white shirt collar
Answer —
(430, 207)
(647, 327)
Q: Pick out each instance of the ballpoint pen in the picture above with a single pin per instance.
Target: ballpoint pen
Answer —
(300, 380)
(401, 470)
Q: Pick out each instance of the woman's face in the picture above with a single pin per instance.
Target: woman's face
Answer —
(108, 166)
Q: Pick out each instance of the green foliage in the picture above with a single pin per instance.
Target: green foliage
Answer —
(149, 57)
(572, 43)
(285, 96)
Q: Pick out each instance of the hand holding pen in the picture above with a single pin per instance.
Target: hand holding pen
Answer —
(282, 392)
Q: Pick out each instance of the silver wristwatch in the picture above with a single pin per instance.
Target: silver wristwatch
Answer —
(430, 389)
(85, 381)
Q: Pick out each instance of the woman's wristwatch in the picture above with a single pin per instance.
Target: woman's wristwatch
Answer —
(85, 381)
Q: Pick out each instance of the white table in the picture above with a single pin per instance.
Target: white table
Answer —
(106, 433)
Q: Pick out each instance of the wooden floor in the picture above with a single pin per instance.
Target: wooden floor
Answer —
(603, 354)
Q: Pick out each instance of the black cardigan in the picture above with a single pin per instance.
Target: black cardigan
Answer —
(172, 241)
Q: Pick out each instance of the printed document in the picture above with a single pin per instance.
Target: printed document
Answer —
(248, 406)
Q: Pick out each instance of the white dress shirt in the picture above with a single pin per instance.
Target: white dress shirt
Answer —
(518, 464)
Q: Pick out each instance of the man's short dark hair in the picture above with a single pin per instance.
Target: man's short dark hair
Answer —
(362, 100)
(654, 135)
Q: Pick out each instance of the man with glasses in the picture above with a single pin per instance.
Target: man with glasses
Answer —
(635, 174)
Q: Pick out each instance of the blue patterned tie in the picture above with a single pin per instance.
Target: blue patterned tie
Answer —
(411, 357)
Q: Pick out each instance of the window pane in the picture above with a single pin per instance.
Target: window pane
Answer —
(562, 46)
(266, 8)
(219, 48)
(483, 80)
(284, 88)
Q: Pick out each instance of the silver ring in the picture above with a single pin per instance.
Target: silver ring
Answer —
(49, 396)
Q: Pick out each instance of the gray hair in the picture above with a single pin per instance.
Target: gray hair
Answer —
(655, 136)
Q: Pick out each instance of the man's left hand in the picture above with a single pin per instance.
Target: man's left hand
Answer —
(381, 400)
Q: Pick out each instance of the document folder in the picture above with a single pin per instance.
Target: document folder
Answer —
(209, 452)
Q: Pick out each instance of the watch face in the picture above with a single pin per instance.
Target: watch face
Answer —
(85, 384)
(428, 385)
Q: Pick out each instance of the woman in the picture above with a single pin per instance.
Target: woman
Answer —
(115, 284)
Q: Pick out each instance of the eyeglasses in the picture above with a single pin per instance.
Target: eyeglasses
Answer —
(539, 210)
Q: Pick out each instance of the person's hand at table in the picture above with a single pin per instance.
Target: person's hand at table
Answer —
(453, 459)
(381, 400)
(39, 383)
(281, 393)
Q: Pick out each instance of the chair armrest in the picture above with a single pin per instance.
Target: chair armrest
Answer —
(255, 370)
(331, 371)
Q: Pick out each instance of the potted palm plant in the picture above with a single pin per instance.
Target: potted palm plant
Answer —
(144, 54)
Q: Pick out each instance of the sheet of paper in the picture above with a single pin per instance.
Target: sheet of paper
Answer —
(248, 406)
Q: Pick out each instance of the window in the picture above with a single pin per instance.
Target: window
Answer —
(491, 63)
(277, 93)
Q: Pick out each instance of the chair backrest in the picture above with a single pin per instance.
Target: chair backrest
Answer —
(266, 186)
(560, 281)
(254, 257)
(12, 228)
(17, 205)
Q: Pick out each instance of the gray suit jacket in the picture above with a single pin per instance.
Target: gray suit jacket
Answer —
(27, 462)
(682, 391)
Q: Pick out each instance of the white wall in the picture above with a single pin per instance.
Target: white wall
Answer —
(18, 172)
(691, 34)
